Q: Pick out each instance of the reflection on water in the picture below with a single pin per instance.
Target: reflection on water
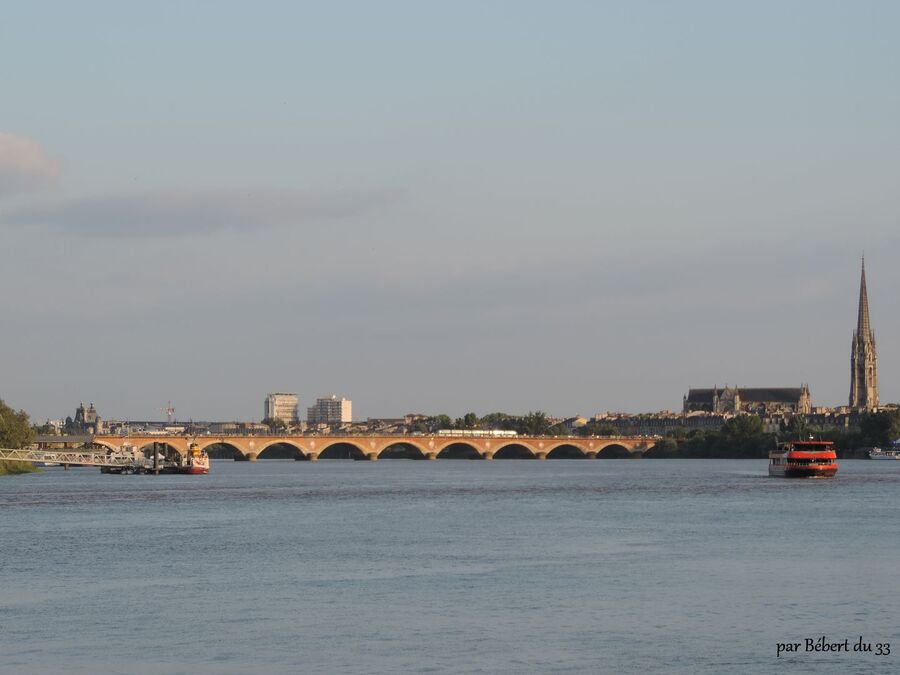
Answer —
(403, 566)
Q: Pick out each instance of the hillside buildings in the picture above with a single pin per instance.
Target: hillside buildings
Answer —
(329, 411)
(863, 359)
(283, 407)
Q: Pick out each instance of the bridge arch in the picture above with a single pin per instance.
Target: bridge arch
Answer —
(276, 450)
(614, 451)
(515, 450)
(342, 449)
(106, 444)
(459, 450)
(567, 450)
(403, 450)
(219, 449)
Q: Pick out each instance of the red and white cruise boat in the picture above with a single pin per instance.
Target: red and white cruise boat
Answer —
(804, 459)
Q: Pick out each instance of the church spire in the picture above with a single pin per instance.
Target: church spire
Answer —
(862, 323)
(863, 358)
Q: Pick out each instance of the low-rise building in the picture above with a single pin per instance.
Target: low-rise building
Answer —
(387, 425)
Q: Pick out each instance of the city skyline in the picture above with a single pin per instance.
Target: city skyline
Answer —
(456, 208)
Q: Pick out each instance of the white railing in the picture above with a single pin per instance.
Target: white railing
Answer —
(79, 457)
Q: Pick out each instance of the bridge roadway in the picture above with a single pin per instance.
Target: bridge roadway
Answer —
(312, 447)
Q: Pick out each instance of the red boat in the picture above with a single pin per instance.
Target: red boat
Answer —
(196, 462)
(804, 459)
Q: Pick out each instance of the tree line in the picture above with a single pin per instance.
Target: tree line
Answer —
(534, 423)
(15, 432)
(744, 437)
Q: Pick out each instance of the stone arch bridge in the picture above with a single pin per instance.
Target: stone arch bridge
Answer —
(310, 448)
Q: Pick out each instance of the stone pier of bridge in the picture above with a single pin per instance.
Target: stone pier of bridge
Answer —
(372, 447)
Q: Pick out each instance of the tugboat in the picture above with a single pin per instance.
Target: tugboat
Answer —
(804, 459)
(197, 461)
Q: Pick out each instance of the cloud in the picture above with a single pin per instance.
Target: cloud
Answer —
(186, 212)
(24, 165)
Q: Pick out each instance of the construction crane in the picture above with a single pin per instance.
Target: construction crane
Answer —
(170, 412)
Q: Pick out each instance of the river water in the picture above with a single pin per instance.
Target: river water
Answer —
(404, 566)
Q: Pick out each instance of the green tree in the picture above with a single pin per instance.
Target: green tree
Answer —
(498, 420)
(15, 432)
(275, 423)
(664, 447)
(534, 423)
(741, 436)
(880, 428)
(419, 427)
(15, 429)
(743, 427)
(43, 429)
(558, 430)
(796, 428)
(438, 422)
(470, 421)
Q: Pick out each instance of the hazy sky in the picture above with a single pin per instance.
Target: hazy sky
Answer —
(441, 207)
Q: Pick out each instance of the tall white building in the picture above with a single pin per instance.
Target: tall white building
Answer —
(283, 407)
(332, 410)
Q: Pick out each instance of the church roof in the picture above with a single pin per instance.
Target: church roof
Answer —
(701, 395)
(773, 394)
(750, 395)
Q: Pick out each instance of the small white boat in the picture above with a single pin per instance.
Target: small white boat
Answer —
(878, 453)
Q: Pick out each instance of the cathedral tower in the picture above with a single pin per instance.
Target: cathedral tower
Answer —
(863, 360)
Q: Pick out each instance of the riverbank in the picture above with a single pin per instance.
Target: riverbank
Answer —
(15, 468)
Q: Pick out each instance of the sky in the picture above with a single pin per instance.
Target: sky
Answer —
(441, 207)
